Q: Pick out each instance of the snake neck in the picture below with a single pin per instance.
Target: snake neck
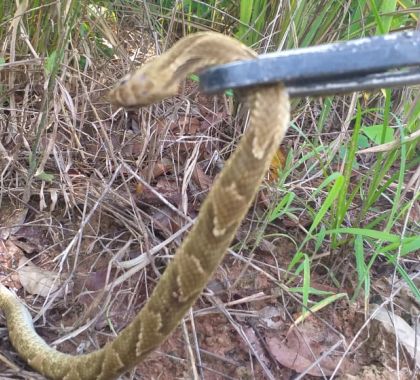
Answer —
(160, 78)
(204, 49)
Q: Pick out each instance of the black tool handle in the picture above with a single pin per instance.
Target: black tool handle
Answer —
(331, 63)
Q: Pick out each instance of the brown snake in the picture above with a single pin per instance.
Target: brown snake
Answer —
(206, 244)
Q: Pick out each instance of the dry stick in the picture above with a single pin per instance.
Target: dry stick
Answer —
(410, 185)
(196, 345)
(190, 352)
(79, 232)
(338, 142)
(10, 364)
(189, 169)
(141, 261)
(365, 324)
(394, 279)
(24, 62)
(391, 145)
(219, 304)
(139, 266)
(156, 193)
(318, 361)
(14, 29)
(76, 239)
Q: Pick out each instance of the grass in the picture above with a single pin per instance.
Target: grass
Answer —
(346, 199)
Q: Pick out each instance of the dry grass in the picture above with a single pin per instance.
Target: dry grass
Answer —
(102, 197)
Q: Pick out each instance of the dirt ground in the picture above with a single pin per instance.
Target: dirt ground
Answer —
(125, 186)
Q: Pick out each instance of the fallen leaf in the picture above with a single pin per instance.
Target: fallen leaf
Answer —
(158, 168)
(256, 344)
(271, 317)
(189, 125)
(168, 189)
(276, 165)
(306, 344)
(203, 180)
(11, 219)
(415, 212)
(10, 255)
(36, 280)
(30, 239)
(96, 280)
(395, 325)
(166, 220)
(376, 372)
(133, 146)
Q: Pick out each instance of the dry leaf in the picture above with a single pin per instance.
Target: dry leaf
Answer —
(415, 212)
(133, 147)
(96, 280)
(166, 188)
(158, 168)
(256, 344)
(271, 317)
(11, 219)
(166, 220)
(395, 325)
(203, 180)
(10, 255)
(376, 372)
(36, 280)
(306, 344)
(30, 240)
(276, 165)
(190, 125)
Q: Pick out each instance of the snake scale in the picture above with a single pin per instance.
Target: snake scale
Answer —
(202, 250)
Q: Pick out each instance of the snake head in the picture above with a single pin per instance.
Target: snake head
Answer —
(143, 87)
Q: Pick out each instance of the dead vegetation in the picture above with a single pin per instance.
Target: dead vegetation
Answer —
(97, 199)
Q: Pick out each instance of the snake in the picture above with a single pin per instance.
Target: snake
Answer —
(200, 253)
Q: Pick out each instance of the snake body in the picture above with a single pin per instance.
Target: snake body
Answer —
(204, 247)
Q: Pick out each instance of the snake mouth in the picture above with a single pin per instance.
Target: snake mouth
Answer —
(140, 91)
(137, 90)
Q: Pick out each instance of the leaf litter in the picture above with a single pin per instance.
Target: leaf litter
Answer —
(84, 153)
